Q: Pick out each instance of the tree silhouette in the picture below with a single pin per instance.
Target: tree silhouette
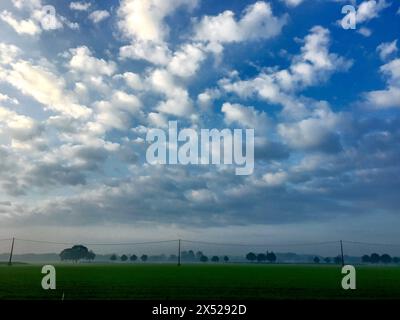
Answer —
(199, 254)
(188, 255)
(191, 254)
(385, 258)
(203, 259)
(251, 256)
(91, 255)
(226, 258)
(113, 257)
(366, 258)
(337, 260)
(271, 257)
(133, 257)
(144, 257)
(261, 257)
(316, 260)
(77, 253)
(327, 260)
(375, 258)
(124, 257)
(214, 259)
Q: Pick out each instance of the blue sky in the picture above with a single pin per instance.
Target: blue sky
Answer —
(77, 98)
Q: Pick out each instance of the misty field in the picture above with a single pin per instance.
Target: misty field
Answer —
(141, 282)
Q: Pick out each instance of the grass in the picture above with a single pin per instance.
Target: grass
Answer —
(142, 282)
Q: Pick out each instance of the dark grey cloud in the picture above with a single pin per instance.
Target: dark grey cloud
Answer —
(271, 150)
(45, 174)
(322, 187)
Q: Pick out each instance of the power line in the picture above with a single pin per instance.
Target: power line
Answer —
(43, 241)
(373, 244)
(262, 245)
(207, 243)
(96, 244)
(130, 243)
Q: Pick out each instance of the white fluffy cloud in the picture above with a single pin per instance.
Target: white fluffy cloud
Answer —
(99, 15)
(178, 102)
(133, 80)
(144, 19)
(245, 116)
(157, 119)
(200, 196)
(142, 22)
(8, 53)
(366, 11)
(207, 97)
(275, 179)
(315, 60)
(146, 50)
(312, 66)
(386, 49)
(29, 4)
(186, 61)
(18, 126)
(116, 113)
(292, 3)
(366, 32)
(257, 22)
(389, 97)
(45, 87)
(6, 98)
(37, 21)
(82, 60)
(370, 9)
(318, 132)
(27, 26)
(392, 71)
(79, 6)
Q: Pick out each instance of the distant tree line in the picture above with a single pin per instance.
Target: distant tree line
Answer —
(188, 256)
(328, 260)
(80, 252)
(132, 258)
(261, 257)
(376, 258)
(373, 258)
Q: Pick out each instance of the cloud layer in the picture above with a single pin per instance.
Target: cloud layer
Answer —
(77, 100)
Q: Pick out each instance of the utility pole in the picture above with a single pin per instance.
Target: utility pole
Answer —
(179, 252)
(11, 253)
(341, 250)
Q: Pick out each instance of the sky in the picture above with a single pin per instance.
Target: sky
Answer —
(80, 89)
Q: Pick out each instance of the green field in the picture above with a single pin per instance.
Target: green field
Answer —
(198, 282)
